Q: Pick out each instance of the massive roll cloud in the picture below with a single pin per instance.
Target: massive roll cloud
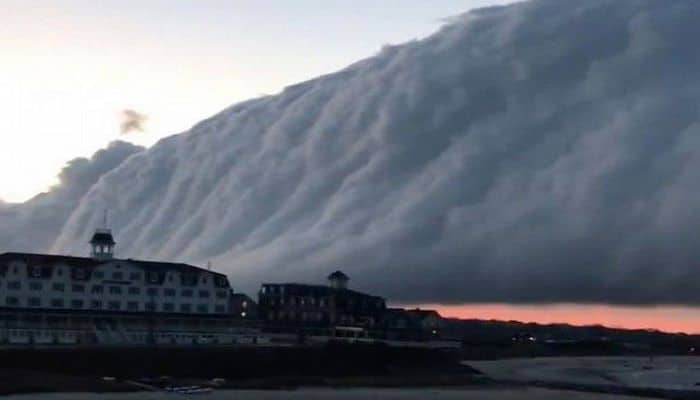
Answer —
(546, 151)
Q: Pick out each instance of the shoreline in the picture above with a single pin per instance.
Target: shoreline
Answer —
(354, 393)
(334, 367)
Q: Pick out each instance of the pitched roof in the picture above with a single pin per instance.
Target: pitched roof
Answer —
(52, 259)
(302, 289)
(338, 275)
(423, 314)
(103, 236)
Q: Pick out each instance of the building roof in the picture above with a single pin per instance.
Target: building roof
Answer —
(103, 237)
(423, 314)
(338, 275)
(49, 260)
(301, 289)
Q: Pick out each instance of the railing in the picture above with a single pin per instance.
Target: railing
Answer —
(103, 334)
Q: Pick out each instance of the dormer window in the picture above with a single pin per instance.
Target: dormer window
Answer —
(221, 282)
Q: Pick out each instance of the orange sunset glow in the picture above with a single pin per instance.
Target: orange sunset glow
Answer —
(663, 318)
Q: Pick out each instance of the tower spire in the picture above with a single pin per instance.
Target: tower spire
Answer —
(105, 221)
(102, 241)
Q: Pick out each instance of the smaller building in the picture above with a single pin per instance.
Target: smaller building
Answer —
(293, 305)
(430, 321)
(243, 307)
(414, 324)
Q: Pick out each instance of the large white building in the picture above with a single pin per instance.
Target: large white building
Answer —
(54, 299)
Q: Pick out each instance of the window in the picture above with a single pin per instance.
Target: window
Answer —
(185, 307)
(186, 292)
(115, 290)
(34, 302)
(118, 275)
(150, 306)
(11, 301)
(99, 274)
(77, 303)
(188, 279)
(35, 272)
(78, 288)
(98, 289)
(221, 281)
(57, 303)
(134, 290)
(169, 292)
(204, 294)
(152, 291)
(168, 307)
(220, 309)
(203, 308)
(59, 287)
(153, 277)
(221, 294)
(134, 276)
(96, 304)
(80, 273)
(132, 306)
(14, 285)
(114, 305)
(35, 286)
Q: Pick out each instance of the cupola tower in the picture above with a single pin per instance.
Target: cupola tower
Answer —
(102, 243)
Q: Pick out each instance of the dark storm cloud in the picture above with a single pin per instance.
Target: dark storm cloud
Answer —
(547, 151)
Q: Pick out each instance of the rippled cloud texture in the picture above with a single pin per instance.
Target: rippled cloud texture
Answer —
(545, 151)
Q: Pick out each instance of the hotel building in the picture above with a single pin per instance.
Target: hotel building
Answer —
(101, 300)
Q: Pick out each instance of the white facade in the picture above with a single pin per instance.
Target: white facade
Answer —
(61, 300)
(111, 285)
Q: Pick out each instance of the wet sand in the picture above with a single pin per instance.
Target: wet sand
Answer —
(345, 394)
(664, 373)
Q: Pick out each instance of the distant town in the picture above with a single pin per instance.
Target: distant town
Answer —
(55, 300)
(133, 325)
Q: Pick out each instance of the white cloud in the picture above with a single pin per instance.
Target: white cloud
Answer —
(544, 152)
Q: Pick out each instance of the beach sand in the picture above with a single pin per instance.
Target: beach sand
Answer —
(345, 394)
(669, 373)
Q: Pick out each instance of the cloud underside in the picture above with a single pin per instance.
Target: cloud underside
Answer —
(545, 151)
(132, 121)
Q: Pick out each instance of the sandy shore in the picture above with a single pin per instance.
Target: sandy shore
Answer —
(668, 373)
(347, 394)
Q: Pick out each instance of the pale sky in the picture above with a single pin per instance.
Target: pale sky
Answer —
(70, 66)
